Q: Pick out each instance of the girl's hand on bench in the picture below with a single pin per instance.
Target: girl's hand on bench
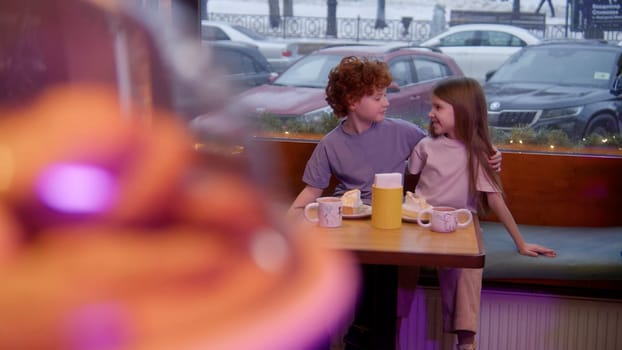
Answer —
(531, 249)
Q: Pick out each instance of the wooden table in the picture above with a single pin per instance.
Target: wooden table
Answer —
(382, 251)
(410, 245)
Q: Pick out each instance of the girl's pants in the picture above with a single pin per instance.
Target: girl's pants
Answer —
(460, 293)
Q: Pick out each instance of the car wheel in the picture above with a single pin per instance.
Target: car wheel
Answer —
(602, 124)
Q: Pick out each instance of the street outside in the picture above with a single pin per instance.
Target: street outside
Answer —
(394, 9)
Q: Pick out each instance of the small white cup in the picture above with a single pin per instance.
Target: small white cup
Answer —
(444, 219)
(329, 211)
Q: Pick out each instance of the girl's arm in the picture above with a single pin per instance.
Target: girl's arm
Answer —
(497, 204)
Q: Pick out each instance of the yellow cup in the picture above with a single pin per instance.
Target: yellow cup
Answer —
(386, 207)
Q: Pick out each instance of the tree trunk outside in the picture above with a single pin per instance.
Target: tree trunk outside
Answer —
(204, 10)
(275, 16)
(331, 18)
(288, 8)
(516, 6)
(380, 15)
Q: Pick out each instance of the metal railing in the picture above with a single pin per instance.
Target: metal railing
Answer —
(364, 29)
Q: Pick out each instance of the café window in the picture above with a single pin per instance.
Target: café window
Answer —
(589, 124)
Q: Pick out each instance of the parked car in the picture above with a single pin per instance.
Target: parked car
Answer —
(279, 53)
(299, 91)
(244, 66)
(574, 86)
(480, 48)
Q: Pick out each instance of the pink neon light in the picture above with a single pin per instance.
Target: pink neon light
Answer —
(77, 188)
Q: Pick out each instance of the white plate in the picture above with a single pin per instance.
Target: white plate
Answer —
(364, 212)
(408, 218)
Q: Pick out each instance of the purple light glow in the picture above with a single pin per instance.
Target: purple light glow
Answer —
(77, 188)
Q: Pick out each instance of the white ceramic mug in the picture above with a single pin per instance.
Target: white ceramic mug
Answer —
(445, 219)
(329, 211)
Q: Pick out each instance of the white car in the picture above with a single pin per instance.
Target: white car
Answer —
(280, 54)
(480, 48)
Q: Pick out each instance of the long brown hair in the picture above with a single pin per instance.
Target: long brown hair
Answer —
(467, 98)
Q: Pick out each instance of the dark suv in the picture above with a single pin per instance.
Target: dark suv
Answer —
(299, 91)
(574, 86)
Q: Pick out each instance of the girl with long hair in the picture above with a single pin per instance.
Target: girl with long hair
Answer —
(452, 162)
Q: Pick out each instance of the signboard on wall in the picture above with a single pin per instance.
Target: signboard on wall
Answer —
(596, 14)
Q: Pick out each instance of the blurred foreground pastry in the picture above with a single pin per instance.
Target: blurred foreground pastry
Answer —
(169, 254)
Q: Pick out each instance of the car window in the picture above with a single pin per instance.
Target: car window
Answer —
(236, 62)
(459, 39)
(482, 39)
(566, 66)
(516, 41)
(496, 38)
(250, 33)
(429, 69)
(401, 71)
(311, 71)
(230, 60)
(250, 65)
(213, 33)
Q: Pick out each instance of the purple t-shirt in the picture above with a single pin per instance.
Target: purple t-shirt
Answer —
(355, 159)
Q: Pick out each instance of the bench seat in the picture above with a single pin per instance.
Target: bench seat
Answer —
(586, 256)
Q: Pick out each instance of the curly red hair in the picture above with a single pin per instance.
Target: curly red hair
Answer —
(352, 79)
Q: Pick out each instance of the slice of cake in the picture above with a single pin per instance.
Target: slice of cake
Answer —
(413, 204)
(352, 202)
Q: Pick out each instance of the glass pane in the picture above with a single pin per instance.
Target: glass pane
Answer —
(401, 72)
(500, 39)
(459, 39)
(311, 71)
(429, 70)
(474, 49)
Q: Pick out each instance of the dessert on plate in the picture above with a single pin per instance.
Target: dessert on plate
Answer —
(414, 204)
(351, 201)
